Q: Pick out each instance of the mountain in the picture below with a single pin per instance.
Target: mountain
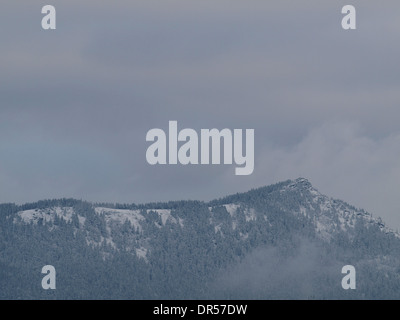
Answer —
(283, 241)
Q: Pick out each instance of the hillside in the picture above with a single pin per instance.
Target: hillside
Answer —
(284, 241)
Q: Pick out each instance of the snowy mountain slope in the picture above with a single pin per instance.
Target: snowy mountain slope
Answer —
(298, 198)
(281, 241)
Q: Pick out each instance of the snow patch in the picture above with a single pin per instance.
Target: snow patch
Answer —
(165, 215)
(303, 211)
(217, 228)
(141, 253)
(250, 214)
(47, 215)
(231, 208)
(121, 215)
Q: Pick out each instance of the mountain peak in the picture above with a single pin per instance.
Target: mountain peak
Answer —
(302, 180)
(302, 184)
(159, 247)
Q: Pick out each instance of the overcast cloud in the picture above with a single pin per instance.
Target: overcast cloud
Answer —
(76, 103)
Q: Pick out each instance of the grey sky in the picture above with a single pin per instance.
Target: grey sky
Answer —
(76, 103)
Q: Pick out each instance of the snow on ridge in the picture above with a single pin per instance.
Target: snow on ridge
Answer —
(346, 216)
(331, 214)
(165, 215)
(134, 216)
(48, 214)
(121, 215)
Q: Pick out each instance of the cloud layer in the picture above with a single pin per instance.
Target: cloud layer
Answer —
(76, 102)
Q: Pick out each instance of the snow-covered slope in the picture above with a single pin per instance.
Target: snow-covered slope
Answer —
(298, 198)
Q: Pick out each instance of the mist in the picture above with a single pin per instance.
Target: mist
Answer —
(306, 271)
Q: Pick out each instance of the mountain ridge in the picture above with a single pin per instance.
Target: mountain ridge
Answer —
(180, 249)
